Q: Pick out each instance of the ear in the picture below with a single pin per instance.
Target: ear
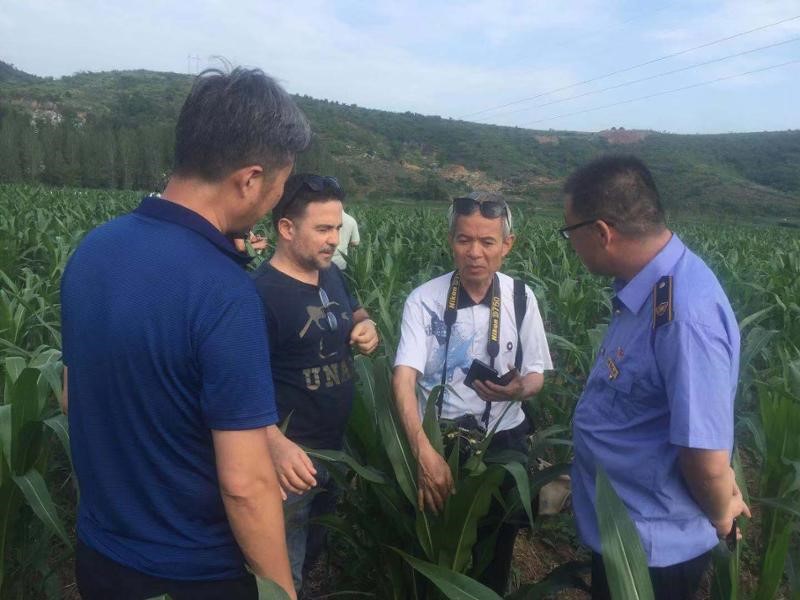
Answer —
(605, 232)
(248, 180)
(286, 229)
(508, 243)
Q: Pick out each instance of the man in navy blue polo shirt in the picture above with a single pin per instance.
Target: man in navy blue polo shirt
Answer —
(657, 409)
(168, 372)
(312, 322)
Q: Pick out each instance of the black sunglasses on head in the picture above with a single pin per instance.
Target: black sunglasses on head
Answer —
(490, 209)
(319, 183)
(316, 183)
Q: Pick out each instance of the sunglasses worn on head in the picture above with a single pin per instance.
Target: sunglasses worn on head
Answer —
(490, 209)
(319, 183)
(333, 322)
(316, 183)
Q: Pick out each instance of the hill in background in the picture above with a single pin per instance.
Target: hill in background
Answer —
(114, 129)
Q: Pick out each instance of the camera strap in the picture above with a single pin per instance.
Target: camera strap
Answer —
(493, 337)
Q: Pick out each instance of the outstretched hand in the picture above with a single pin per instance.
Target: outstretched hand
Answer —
(295, 470)
(434, 480)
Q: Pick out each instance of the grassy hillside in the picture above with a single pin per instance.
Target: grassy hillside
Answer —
(92, 129)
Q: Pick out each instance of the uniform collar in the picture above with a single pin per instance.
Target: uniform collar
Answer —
(165, 210)
(634, 293)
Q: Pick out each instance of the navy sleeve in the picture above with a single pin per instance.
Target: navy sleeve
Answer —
(237, 389)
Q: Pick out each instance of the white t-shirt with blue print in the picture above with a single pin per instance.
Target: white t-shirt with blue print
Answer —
(422, 347)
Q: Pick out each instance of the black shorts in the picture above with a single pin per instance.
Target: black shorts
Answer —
(100, 578)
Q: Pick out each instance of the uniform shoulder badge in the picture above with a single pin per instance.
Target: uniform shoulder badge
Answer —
(662, 301)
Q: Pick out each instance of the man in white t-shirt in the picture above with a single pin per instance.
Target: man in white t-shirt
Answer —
(348, 236)
(429, 354)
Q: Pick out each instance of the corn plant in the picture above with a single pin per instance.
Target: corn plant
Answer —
(402, 247)
(389, 540)
(25, 416)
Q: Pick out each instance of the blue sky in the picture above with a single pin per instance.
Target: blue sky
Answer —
(455, 59)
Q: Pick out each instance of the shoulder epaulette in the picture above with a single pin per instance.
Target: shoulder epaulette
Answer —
(662, 301)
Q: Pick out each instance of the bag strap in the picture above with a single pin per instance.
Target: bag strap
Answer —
(450, 315)
(520, 307)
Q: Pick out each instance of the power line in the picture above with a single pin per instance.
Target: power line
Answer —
(680, 89)
(596, 34)
(631, 82)
(636, 66)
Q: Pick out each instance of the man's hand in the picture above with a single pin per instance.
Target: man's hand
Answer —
(712, 482)
(364, 336)
(513, 390)
(434, 480)
(249, 489)
(736, 507)
(294, 467)
(258, 242)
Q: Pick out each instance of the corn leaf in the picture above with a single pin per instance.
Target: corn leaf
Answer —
(463, 512)
(454, 586)
(623, 555)
(269, 590)
(337, 456)
(403, 462)
(60, 427)
(38, 497)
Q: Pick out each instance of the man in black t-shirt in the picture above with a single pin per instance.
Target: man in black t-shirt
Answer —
(312, 322)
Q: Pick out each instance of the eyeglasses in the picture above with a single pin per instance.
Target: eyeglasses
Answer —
(333, 322)
(490, 209)
(565, 231)
(316, 183)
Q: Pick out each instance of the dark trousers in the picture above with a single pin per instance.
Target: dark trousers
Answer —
(100, 578)
(676, 582)
(498, 570)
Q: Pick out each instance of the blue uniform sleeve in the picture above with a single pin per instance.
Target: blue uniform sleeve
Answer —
(233, 353)
(696, 363)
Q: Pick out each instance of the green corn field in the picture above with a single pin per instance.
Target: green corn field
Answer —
(389, 547)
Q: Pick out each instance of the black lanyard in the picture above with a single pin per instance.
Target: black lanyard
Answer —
(493, 338)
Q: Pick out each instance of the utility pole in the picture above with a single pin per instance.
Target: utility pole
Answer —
(192, 58)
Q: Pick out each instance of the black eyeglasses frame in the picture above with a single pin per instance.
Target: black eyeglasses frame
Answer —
(564, 231)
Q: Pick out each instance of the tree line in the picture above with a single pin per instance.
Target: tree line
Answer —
(69, 153)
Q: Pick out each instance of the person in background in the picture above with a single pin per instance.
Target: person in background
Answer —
(657, 410)
(258, 243)
(167, 380)
(313, 321)
(348, 238)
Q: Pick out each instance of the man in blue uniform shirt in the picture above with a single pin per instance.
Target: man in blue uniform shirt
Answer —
(657, 409)
(168, 378)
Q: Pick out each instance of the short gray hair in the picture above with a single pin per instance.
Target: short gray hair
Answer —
(479, 196)
(232, 120)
